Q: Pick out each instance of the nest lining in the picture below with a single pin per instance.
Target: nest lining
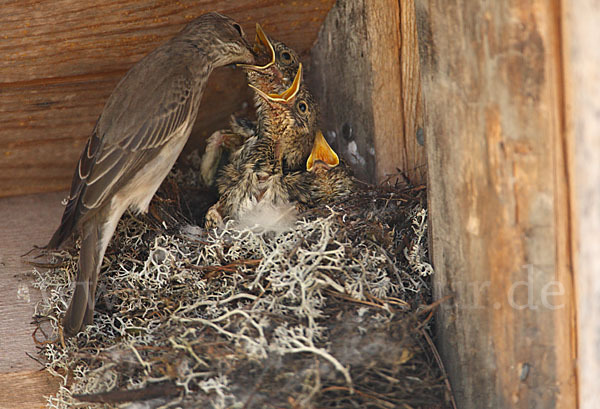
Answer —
(325, 314)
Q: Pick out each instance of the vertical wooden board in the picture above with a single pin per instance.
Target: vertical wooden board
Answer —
(339, 76)
(498, 197)
(364, 72)
(61, 59)
(384, 46)
(413, 151)
(582, 60)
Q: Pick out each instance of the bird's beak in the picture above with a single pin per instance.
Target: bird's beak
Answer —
(261, 42)
(321, 154)
(287, 95)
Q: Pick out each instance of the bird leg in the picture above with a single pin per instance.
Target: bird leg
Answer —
(213, 217)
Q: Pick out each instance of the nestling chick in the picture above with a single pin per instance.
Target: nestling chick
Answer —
(269, 168)
(278, 73)
(222, 144)
(326, 184)
(274, 77)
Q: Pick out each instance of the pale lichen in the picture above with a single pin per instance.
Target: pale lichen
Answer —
(236, 317)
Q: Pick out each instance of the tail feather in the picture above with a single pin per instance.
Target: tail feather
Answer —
(95, 236)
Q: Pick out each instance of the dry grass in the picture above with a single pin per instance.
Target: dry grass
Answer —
(329, 314)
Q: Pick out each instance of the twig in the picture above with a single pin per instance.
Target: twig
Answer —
(360, 393)
(119, 396)
(438, 359)
(434, 304)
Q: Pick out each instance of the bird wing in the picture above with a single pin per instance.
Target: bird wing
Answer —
(144, 112)
(135, 135)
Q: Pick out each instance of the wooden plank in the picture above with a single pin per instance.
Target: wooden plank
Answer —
(26, 390)
(365, 73)
(64, 38)
(582, 67)
(26, 220)
(413, 159)
(61, 59)
(39, 153)
(497, 158)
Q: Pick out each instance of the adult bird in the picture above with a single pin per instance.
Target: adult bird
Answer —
(137, 138)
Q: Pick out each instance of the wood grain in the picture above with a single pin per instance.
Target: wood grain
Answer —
(26, 389)
(61, 59)
(414, 162)
(365, 74)
(384, 42)
(26, 220)
(393, 45)
(582, 72)
(39, 151)
(498, 199)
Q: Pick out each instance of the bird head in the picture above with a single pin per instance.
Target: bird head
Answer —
(220, 37)
(277, 64)
(289, 119)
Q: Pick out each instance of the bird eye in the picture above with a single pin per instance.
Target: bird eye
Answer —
(302, 106)
(238, 28)
(285, 56)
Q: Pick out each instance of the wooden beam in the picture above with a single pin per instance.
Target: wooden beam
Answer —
(582, 67)
(61, 59)
(498, 174)
(414, 161)
(365, 73)
(26, 220)
(26, 389)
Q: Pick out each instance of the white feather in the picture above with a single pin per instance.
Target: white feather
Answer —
(269, 217)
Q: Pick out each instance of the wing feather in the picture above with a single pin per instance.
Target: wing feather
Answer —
(131, 130)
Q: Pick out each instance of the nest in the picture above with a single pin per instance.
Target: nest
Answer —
(331, 313)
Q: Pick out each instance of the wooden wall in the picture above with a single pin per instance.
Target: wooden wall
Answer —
(508, 109)
(62, 58)
(365, 73)
(26, 220)
(582, 63)
(498, 157)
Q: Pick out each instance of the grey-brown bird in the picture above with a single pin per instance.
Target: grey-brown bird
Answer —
(139, 135)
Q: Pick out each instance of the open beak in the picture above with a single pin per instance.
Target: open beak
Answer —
(321, 154)
(287, 95)
(261, 42)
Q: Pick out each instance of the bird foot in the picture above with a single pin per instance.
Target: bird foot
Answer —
(213, 218)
